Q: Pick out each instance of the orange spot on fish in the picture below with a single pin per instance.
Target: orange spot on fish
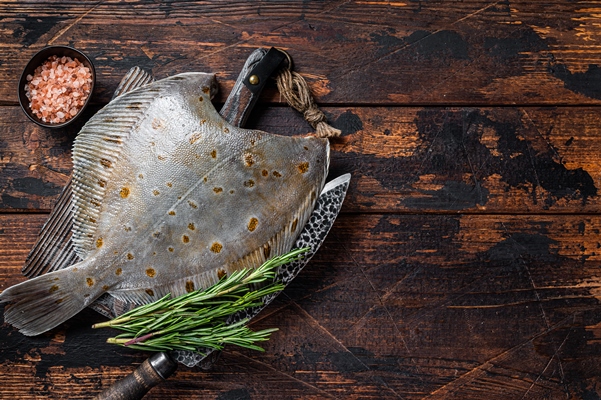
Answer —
(201, 98)
(171, 212)
(58, 301)
(248, 159)
(195, 137)
(217, 190)
(169, 184)
(249, 183)
(105, 288)
(92, 220)
(206, 89)
(264, 172)
(53, 289)
(277, 174)
(303, 167)
(118, 271)
(124, 193)
(150, 292)
(252, 224)
(101, 183)
(158, 123)
(294, 223)
(221, 273)
(99, 242)
(189, 286)
(185, 239)
(225, 130)
(141, 176)
(191, 226)
(156, 192)
(106, 163)
(216, 247)
(192, 204)
(90, 282)
(214, 153)
(170, 249)
(150, 272)
(130, 256)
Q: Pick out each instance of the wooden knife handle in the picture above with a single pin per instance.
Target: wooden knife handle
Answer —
(151, 372)
(241, 101)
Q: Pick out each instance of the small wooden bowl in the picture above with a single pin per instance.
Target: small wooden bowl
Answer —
(35, 62)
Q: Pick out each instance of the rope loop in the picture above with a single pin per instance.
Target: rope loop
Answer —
(296, 91)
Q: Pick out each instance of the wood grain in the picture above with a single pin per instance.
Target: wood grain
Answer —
(475, 160)
(368, 52)
(465, 263)
(392, 306)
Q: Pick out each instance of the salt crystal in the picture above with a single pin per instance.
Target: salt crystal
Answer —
(58, 89)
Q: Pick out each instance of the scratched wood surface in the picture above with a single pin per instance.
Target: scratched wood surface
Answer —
(466, 261)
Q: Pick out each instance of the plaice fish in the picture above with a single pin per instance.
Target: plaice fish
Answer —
(168, 197)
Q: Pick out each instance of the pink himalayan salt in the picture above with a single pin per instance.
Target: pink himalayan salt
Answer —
(58, 89)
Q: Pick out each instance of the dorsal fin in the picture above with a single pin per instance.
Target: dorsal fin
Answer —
(135, 78)
(54, 248)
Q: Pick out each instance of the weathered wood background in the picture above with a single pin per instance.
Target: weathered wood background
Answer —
(467, 260)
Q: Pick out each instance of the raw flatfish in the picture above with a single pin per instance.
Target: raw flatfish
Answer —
(168, 197)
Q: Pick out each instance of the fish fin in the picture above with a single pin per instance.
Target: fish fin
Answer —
(54, 248)
(135, 78)
(42, 303)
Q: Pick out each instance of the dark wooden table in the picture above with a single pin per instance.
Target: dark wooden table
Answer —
(467, 260)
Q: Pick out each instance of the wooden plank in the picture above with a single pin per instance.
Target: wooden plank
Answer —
(364, 52)
(508, 159)
(450, 306)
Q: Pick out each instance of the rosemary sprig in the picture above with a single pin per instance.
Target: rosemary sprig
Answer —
(196, 321)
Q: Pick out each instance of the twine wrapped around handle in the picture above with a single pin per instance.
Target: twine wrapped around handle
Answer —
(296, 91)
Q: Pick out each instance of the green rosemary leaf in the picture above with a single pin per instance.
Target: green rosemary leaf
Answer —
(196, 320)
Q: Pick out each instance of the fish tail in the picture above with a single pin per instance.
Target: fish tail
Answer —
(42, 303)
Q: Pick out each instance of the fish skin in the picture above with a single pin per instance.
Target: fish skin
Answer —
(168, 196)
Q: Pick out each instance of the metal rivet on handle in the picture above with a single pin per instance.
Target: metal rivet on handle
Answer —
(253, 80)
